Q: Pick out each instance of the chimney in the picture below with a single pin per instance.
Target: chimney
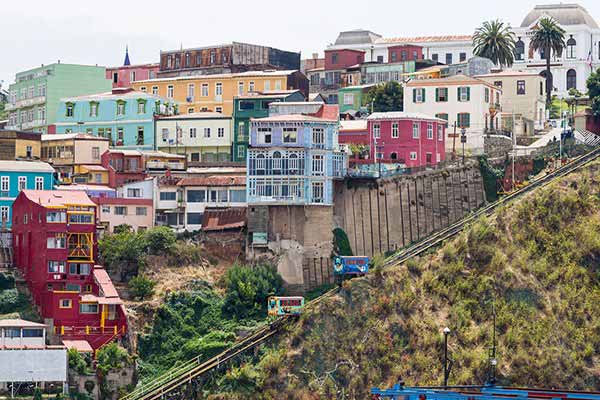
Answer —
(315, 56)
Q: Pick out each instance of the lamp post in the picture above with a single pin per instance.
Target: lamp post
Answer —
(463, 140)
(446, 370)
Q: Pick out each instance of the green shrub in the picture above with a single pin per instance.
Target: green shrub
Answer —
(37, 394)
(123, 228)
(187, 254)
(160, 240)
(6, 281)
(11, 300)
(123, 252)
(141, 287)
(248, 289)
(490, 176)
(112, 357)
(341, 244)
(77, 362)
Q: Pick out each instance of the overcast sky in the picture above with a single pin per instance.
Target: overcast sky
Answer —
(96, 32)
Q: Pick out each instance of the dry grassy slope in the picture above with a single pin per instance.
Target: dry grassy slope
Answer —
(539, 259)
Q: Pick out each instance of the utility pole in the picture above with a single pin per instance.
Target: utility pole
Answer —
(463, 140)
(514, 142)
(446, 369)
(454, 142)
(493, 360)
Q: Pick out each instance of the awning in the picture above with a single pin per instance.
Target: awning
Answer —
(82, 346)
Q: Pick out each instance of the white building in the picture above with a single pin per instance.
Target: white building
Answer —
(579, 58)
(448, 49)
(201, 137)
(465, 102)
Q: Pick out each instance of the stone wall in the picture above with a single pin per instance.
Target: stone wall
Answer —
(497, 146)
(385, 215)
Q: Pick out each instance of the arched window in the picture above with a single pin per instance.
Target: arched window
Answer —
(571, 79)
(571, 47)
(519, 50)
(293, 164)
(393, 156)
(260, 164)
(276, 162)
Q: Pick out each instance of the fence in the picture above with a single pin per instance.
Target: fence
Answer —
(317, 272)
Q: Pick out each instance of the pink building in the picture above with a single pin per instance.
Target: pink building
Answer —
(412, 139)
(127, 73)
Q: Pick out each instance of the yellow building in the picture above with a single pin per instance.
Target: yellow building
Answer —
(19, 145)
(216, 92)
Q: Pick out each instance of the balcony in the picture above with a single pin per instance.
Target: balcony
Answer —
(80, 246)
(26, 103)
(33, 124)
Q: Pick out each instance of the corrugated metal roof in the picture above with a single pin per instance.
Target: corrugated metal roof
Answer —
(223, 219)
(213, 181)
(25, 166)
(402, 115)
(104, 282)
(58, 197)
(20, 323)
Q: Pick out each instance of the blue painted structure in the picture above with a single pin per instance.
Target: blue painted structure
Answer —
(123, 115)
(350, 265)
(18, 175)
(282, 306)
(292, 160)
(488, 392)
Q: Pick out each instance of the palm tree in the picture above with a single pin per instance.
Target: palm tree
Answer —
(548, 37)
(496, 41)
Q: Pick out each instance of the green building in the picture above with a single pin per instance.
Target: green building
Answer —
(351, 98)
(255, 105)
(35, 96)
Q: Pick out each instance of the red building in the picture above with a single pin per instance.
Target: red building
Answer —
(123, 166)
(122, 76)
(354, 134)
(55, 247)
(412, 139)
(405, 52)
(341, 59)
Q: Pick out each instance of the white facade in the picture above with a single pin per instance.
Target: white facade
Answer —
(33, 365)
(137, 190)
(581, 56)
(199, 198)
(471, 108)
(205, 136)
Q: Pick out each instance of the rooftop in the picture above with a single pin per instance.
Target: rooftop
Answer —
(355, 125)
(69, 136)
(270, 94)
(223, 219)
(110, 294)
(214, 180)
(246, 74)
(82, 346)
(507, 73)
(113, 95)
(451, 80)
(25, 166)
(197, 115)
(19, 323)
(428, 39)
(403, 115)
(564, 14)
(292, 118)
(86, 187)
(55, 198)
(357, 36)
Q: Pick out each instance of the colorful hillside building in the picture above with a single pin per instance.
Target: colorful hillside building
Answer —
(55, 248)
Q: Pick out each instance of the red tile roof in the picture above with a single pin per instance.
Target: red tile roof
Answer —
(104, 282)
(215, 180)
(223, 219)
(329, 112)
(82, 346)
(58, 197)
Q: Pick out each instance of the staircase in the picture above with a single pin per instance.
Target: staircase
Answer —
(586, 137)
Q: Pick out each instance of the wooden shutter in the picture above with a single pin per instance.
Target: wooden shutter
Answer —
(468, 93)
(467, 119)
(437, 94)
(423, 95)
(458, 93)
(414, 95)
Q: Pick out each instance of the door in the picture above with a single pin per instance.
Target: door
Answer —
(112, 312)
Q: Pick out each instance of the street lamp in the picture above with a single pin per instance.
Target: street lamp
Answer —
(446, 369)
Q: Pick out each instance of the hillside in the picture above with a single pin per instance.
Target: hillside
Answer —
(539, 259)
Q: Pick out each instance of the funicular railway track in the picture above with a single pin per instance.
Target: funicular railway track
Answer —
(178, 376)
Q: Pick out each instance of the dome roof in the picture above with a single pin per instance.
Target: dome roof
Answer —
(565, 14)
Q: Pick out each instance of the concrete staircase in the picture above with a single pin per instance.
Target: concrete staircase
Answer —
(587, 137)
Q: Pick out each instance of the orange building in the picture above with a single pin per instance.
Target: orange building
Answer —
(216, 92)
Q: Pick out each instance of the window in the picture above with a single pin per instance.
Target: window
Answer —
(79, 269)
(168, 196)
(290, 135)
(204, 90)
(520, 87)
(440, 132)
(334, 58)
(192, 133)
(435, 57)
(487, 95)
(93, 109)
(134, 192)
(190, 110)
(430, 131)
(70, 109)
(141, 211)
(376, 131)
(464, 93)
(196, 196)
(207, 132)
(35, 333)
(571, 47)
(120, 210)
(218, 89)
(571, 79)
(141, 107)
(155, 90)
(65, 303)
(170, 91)
(264, 135)
(318, 136)
(416, 130)
(317, 192)
(42, 89)
(105, 209)
(394, 129)
(12, 333)
(246, 105)
(5, 185)
(251, 86)
(348, 99)
(380, 59)
(241, 151)
(4, 211)
(88, 308)
(81, 218)
(448, 58)
(462, 57)
(218, 196)
(220, 132)
(194, 218)
(96, 153)
(39, 183)
(56, 216)
(237, 196)
(519, 50)
(143, 89)
(219, 109)
(120, 108)
(463, 120)
(413, 155)
(419, 95)
(87, 288)
(22, 183)
(56, 242)
(72, 287)
(240, 88)
(318, 165)
(441, 94)
(56, 267)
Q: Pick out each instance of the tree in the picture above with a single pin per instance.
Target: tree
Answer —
(112, 357)
(548, 38)
(496, 41)
(593, 86)
(141, 287)
(3, 112)
(160, 239)
(385, 97)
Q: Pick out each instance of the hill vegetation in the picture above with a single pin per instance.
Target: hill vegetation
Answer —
(538, 261)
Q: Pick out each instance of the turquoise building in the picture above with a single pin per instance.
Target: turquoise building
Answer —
(124, 115)
(19, 175)
(36, 93)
